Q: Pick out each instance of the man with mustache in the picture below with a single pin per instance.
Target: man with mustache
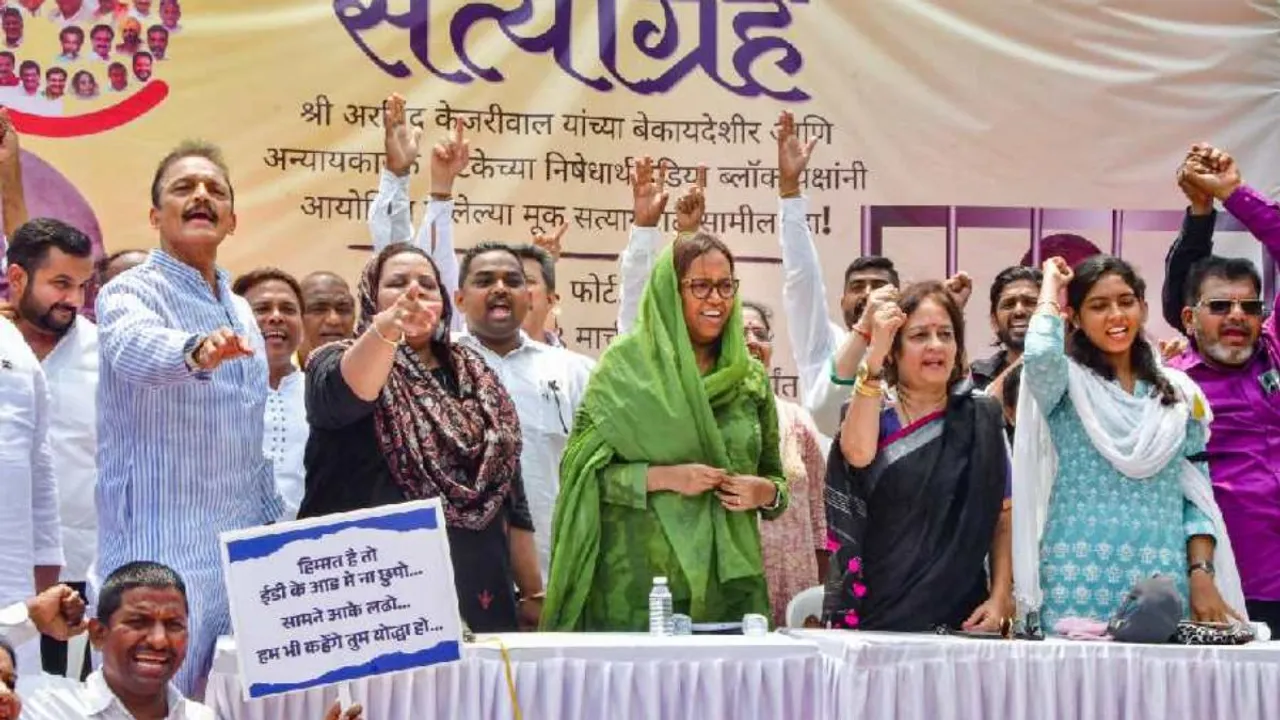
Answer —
(55, 83)
(329, 313)
(100, 38)
(142, 629)
(130, 37)
(1235, 358)
(1013, 298)
(50, 268)
(158, 41)
(142, 66)
(183, 390)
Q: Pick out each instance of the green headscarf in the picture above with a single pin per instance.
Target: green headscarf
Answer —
(647, 402)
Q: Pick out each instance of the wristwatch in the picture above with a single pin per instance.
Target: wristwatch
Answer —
(189, 352)
(1205, 565)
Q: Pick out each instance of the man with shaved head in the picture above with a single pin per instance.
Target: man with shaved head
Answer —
(330, 313)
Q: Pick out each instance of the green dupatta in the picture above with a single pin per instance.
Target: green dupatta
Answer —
(647, 402)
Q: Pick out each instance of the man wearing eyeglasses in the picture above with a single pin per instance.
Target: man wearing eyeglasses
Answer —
(1235, 358)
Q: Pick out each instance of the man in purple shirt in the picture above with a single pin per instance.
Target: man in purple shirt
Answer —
(1235, 358)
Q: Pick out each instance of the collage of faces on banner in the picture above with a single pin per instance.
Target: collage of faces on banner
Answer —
(58, 51)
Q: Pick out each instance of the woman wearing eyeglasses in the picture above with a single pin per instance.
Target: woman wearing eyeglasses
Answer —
(1104, 494)
(673, 455)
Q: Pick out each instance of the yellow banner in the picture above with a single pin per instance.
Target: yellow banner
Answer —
(1014, 106)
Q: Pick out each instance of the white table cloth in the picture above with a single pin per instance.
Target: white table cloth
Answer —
(886, 676)
(572, 677)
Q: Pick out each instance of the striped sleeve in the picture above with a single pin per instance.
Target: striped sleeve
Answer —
(137, 344)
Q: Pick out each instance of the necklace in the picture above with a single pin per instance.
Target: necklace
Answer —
(909, 418)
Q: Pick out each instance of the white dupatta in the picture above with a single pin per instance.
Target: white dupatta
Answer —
(1138, 436)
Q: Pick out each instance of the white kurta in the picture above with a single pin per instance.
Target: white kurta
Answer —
(284, 439)
(28, 490)
(546, 384)
(72, 373)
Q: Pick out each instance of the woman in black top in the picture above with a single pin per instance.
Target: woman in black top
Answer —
(402, 413)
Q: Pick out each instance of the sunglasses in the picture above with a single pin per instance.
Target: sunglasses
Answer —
(1253, 308)
(701, 289)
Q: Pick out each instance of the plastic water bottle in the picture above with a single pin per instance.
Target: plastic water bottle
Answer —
(660, 608)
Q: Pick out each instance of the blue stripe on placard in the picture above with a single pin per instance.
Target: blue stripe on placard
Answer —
(260, 547)
(448, 651)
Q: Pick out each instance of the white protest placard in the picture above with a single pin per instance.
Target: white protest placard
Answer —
(346, 596)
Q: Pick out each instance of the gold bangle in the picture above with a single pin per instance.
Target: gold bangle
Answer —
(1056, 307)
(383, 338)
(866, 389)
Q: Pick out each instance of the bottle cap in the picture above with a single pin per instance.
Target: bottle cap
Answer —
(660, 580)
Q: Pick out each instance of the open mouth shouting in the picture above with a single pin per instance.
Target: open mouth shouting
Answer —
(200, 213)
(277, 337)
(152, 664)
(500, 310)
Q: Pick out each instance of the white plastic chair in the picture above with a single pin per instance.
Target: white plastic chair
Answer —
(808, 602)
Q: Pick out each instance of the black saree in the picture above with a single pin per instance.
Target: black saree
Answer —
(911, 531)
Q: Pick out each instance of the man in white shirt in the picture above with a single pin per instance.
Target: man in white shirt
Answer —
(71, 12)
(50, 268)
(276, 300)
(31, 554)
(141, 631)
(546, 383)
